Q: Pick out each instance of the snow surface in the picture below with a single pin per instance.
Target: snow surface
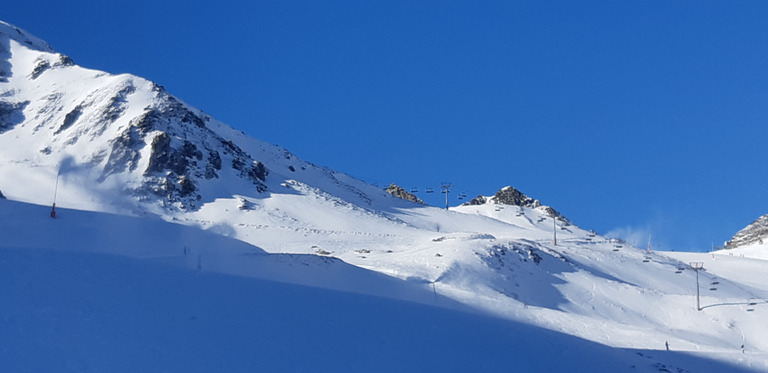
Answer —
(321, 272)
(71, 305)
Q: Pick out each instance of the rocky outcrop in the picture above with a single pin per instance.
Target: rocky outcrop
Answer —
(182, 153)
(11, 114)
(513, 197)
(479, 200)
(754, 234)
(401, 193)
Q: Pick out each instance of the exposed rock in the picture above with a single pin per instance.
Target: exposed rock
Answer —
(245, 205)
(117, 104)
(1, 195)
(124, 153)
(553, 213)
(401, 193)
(11, 114)
(258, 171)
(70, 119)
(64, 60)
(513, 197)
(213, 165)
(755, 233)
(479, 200)
(40, 67)
(169, 149)
(162, 157)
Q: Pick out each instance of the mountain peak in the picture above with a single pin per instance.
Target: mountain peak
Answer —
(100, 133)
(9, 31)
(754, 233)
(513, 197)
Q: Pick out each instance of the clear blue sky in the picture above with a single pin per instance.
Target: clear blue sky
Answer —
(641, 116)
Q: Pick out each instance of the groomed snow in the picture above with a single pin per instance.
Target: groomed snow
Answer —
(70, 305)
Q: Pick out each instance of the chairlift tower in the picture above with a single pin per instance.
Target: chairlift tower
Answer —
(554, 230)
(696, 266)
(446, 187)
(55, 192)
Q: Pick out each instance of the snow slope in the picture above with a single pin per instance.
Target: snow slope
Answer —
(72, 306)
(156, 192)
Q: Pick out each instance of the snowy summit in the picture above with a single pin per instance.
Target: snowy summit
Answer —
(179, 241)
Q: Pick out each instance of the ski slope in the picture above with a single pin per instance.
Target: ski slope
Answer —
(238, 249)
(73, 305)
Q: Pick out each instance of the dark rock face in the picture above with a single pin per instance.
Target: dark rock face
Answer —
(162, 148)
(43, 65)
(125, 153)
(65, 60)
(5, 56)
(182, 153)
(117, 104)
(401, 193)
(164, 158)
(70, 119)
(213, 165)
(755, 233)
(511, 196)
(11, 114)
(40, 67)
(1, 195)
(479, 200)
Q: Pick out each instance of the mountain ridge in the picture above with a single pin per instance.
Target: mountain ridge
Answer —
(753, 234)
(125, 130)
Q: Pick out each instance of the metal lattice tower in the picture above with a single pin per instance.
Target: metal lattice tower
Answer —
(696, 266)
(446, 187)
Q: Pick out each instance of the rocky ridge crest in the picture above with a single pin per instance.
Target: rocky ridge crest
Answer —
(513, 197)
(754, 233)
(401, 193)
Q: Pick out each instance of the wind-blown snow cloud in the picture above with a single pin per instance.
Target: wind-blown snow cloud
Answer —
(636, 236)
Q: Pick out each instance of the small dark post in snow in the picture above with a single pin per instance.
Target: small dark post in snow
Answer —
(55, 191)
(696, 266)
(434, 291)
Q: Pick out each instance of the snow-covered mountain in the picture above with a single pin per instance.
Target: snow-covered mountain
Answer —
(192, 193)
(513, 197)
(106, 132)
(753, 234)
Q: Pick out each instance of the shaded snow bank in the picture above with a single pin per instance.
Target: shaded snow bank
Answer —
(85, 312)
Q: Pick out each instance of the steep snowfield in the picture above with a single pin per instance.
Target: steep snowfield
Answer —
(157, 193)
